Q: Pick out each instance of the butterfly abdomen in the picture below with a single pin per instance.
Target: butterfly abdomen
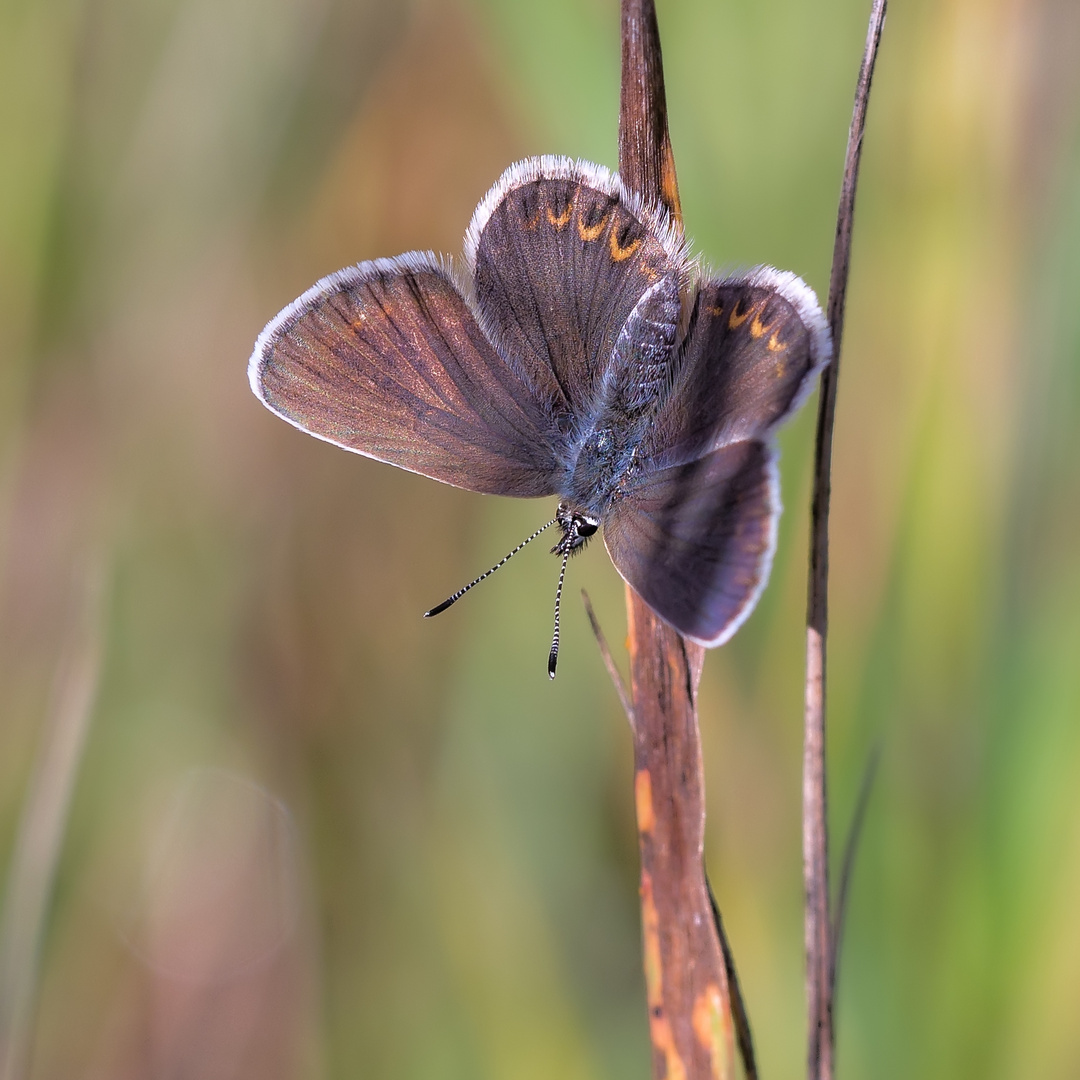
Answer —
(642, 361)
(602, 458)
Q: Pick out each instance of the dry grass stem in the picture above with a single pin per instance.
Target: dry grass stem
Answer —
(820, 948)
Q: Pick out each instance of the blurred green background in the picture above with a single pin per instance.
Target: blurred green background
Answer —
(311, 835)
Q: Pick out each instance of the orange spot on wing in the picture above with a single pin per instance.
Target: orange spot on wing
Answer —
(591, 232)
(735, 320)
(712, 1028)
(646, 816)
(715, 310)
(756, 328)
(562, 218)
(775, 344)
(619, 253)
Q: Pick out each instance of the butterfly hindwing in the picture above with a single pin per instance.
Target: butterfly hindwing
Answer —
(561, 254)
(695, 541)
(752, 350)
(387, 359)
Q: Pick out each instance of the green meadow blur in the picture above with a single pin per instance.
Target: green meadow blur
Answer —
(257, 817)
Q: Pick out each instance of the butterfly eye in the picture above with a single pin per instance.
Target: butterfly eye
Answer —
(585, 526)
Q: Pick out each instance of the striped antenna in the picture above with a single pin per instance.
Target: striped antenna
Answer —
(553, 656)
(487, 573)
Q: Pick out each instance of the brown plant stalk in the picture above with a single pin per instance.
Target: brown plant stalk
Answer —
(819, 925)
(687, 988)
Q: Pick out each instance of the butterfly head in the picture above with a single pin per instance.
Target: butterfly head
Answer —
(577, 526)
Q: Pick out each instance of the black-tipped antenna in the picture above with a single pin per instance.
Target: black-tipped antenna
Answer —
(487, 573)
(553, 656)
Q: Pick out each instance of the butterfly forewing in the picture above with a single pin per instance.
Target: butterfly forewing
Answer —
(387, 359)
(561, 255)
(695, 541)
(753, 347)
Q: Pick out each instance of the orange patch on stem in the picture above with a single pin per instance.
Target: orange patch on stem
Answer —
(646, 816)
(663, 1040)
(650, 931)
(660, 1033)
(669, 186)
(711, 1028)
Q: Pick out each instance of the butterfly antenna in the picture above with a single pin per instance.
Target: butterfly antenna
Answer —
(487, 573)
(553, 656)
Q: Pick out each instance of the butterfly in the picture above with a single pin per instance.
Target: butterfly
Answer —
(582, 353)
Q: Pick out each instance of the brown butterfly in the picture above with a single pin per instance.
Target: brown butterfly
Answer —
(580, 354)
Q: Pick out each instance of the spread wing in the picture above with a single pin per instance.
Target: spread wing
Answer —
(696, 541)
(388, 360)
(750, 356)
(560, 255)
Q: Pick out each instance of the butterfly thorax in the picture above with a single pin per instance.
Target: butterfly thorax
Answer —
(603, 458)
